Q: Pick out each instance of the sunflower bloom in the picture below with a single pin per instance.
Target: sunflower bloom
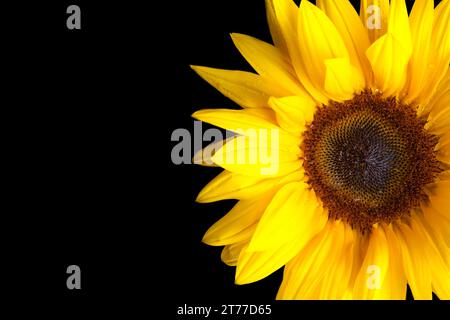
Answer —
(356, 203)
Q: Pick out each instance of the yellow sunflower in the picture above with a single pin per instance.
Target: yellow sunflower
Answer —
(358, 206)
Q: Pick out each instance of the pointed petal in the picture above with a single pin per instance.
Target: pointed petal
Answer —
(308, 276)
(390, 54)
(320, 41)
(238, 224)
(231, 252)
(246, 89)
(375, 17)
(421, 21)
(255, 265)
(389, 61)
(435, 262)
(342, 80)
(395, 277)
(371, 278)
(293, 113)
(439, 196)
(291, 216)
(439, 117)
(286, 12)
(414, 263)
(275, 30)
(259, 156)
(245, 122)
(440, 50)
(229, 185)
(352, 31)
(269, 62)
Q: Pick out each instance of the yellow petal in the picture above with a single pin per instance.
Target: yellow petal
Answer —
(269, 62)
(389, 62)
(231, 252)
(439, 117)
(336, 281)
(352, 31)
(229, 185)
(260, 157)
(286, 13)
(439, 196)
(440, 50)
(371, 278)
(246, 89)
(442, 91)
(203, 156)
(399, 24)
(435, 262)
(255, 265)
(319, 40)
(438, 222)
(443, 149)
(390, 54)
(342, 80)
(375, 17)
(238, 224)
(395, 277)
(292, 215)
(414, 263)
(445, 175)
(421, 21)
(293, 113)
(275, 29)
(245, 122)
(311, 273)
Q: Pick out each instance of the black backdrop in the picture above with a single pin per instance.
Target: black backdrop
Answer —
(90, 180)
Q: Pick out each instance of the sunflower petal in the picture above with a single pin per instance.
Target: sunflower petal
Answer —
(246, 122)
(320, 41)
(229, 185)
(439, 117)
(440, 272)
(395, 277)
(342, 80)
(257, 157)
(286, 13)
(443, 149)
(439, 196)
(255, 265)
(269, 62)
(421, 21)
(352, 31)
(293, 113)
(376, 261)
(440, 48)
(307, 272)
(414, 263)
(245, 88)
(238, 224)
(336, 281)
(274, 27)
(442, 91)
(389, 61)
(375, 17)
(291, 215)
(231, 252)
(399, 24)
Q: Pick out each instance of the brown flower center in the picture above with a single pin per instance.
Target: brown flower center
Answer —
(368, 159)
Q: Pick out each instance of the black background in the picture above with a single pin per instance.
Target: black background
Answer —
(89, 179)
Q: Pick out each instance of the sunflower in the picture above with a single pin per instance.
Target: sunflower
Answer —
(359, 204)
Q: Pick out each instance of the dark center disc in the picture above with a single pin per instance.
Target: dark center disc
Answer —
(368, 159)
